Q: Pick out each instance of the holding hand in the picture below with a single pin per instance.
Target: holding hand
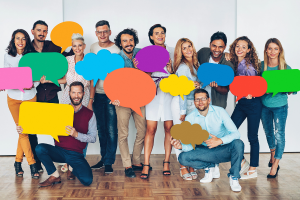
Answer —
(249, 96)
(115, 103)
(43, 80)
(169, 66)
(175, 143)
(19, 129)
(29, 88)
(135, 63)
(197, 85)
(71, 131)
(213, 141)
(227, 56)
(2, 90)
(213, 84)
(182, 118)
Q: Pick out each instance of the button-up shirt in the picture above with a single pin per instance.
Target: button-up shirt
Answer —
(128, 62)
(217, 122)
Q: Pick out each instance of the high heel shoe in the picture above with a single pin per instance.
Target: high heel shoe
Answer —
(270, 164)
(167, 172)
(145, 176)
(274, 176)
(18, 168)
(34, 171)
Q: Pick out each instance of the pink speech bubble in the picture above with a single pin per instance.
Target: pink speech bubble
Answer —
(152, 59)
(15, 78)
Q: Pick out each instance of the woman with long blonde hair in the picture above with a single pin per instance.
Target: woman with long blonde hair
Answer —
(274, 109)
(244, 58)
(185, 64)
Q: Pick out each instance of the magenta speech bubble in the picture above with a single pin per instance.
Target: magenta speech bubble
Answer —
(15, 78)
(152, 59)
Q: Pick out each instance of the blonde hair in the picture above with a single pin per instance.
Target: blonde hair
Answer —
(179, 58)
(77, 36)
(281, 61)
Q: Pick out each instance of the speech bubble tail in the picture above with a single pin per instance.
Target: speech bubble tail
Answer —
(181, 95)
(22, 90)
(56, 83)
(55, 137)
(274, 94)
(164, 71)
(238, 98)
(95, 82)
(204, 85)
(138, 111)
(194, 146)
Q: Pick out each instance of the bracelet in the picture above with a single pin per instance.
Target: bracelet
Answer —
(92, 98)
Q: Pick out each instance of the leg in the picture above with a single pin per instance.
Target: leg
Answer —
(85, 149)
(123, 115)
(168, 147)
(140, 124)
(33, 143)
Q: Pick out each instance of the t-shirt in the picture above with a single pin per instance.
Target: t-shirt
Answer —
(212, 61)
(94, 49)
(280, 99)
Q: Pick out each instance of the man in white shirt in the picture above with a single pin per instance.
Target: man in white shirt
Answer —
(105, 113)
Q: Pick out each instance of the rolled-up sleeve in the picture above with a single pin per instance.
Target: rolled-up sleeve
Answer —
(91, 135)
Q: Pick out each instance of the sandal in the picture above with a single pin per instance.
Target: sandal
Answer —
(194, 175)
(34, 171)
(64, 169)
(145, 176)
(168, 172)
(18, 169)
(186, 176)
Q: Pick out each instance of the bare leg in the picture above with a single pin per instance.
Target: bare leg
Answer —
(274, 167)
(168, 147)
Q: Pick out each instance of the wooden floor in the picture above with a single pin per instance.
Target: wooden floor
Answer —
(158, 187)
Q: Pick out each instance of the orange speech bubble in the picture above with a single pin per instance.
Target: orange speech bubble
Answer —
(189, 134)
(61, 35)
(132, 87)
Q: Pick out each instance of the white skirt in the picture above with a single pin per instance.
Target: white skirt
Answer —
(160, 107)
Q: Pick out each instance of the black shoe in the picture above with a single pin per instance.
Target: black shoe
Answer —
(99, 165)
(18, 168)
(274, 176)
(34, 171)
(270, 164)
(145, 176)
(108, 169)
(130, 173)
(139, 168)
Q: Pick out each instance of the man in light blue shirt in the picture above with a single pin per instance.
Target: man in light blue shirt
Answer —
(223, 144)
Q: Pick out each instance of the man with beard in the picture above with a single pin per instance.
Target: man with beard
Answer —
(215, 54)
(223, 144)
(46, 92)
(126, 41)
(69, 149)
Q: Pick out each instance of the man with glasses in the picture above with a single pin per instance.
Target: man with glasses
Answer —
(105, 112)
(223, 144)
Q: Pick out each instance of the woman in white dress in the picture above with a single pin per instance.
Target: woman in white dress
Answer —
(160, 107)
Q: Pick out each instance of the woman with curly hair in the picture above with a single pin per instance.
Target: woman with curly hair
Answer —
(244, 58)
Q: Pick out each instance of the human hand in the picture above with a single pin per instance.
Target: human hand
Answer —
(175, 143)
(71, 131)
(2, 90)
(115, 103)
(43, 80)
(135, 63)
(169, 66)
(90, 105)
(227, 56)
(213, 141)
(182, 118)
(213, 84)
(196, 84)
(290, 93)
(249, 96)
(19, 129)
(29, 88)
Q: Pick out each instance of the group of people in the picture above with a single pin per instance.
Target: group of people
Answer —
(95, 112)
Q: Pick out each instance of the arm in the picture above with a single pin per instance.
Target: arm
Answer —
(92, 95)
(92, 132)
(183, 71)
(221, 89)
(231, 128)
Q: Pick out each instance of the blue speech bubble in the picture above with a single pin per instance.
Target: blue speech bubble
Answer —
(223, 75)
(94, 67)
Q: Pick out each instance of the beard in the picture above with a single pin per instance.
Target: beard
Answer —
(128, 52)
(205, 107)
(39, 39)
(74, 103)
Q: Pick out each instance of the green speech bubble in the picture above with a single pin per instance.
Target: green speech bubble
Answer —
(282, 80)
(51, 64)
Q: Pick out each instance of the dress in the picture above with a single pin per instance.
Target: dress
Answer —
(160, 106)
(72, 76)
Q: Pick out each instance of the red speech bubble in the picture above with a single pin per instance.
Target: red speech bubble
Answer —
(132, 87)
(241, 86)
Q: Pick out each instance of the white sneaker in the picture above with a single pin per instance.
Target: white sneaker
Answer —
(245, 167)
(234, 184)
(216, 171)
(208, 175)
(253, 175)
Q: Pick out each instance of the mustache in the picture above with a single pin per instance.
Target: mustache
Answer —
(40, 35)
(129, 46)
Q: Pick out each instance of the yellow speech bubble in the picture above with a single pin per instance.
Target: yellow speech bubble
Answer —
(46, 118)
(61, 35)
(189, 134)
(177, 85)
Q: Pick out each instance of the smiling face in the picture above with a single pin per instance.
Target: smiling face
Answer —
(103, 33)
(187, 50)
(200, 103)
(40, 32)
(158, 36)
(20, 41)
(241, 49)
(78, 47)
(273, 51)
(127, 43)
(76, 95)
(217, 48)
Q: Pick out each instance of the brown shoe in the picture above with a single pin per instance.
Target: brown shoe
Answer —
(50, 181)
(70, 175)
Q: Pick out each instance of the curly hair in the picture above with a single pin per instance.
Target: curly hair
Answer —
(129, 31)
(12, 50)
(179, 58)
(250, 58)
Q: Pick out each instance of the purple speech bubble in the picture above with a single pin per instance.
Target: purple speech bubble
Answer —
(15, 78)
(152, 59)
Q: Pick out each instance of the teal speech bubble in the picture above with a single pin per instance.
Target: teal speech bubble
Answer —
(51, 64)
(282, 80)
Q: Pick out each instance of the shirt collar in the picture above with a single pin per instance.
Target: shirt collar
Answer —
(135, 50)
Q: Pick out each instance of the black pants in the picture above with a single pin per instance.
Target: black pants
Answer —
(33, 138)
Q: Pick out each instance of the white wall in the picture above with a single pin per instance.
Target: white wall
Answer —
(261, 20)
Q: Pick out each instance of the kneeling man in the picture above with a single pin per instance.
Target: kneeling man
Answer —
(223, 144)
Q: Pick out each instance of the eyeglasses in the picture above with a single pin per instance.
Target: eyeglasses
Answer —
(102, 32)
(201, 99)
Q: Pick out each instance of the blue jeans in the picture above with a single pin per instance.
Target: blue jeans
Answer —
(49, 154)
(203, 157)
(107, 128)
(250, 109)
(275, 116)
